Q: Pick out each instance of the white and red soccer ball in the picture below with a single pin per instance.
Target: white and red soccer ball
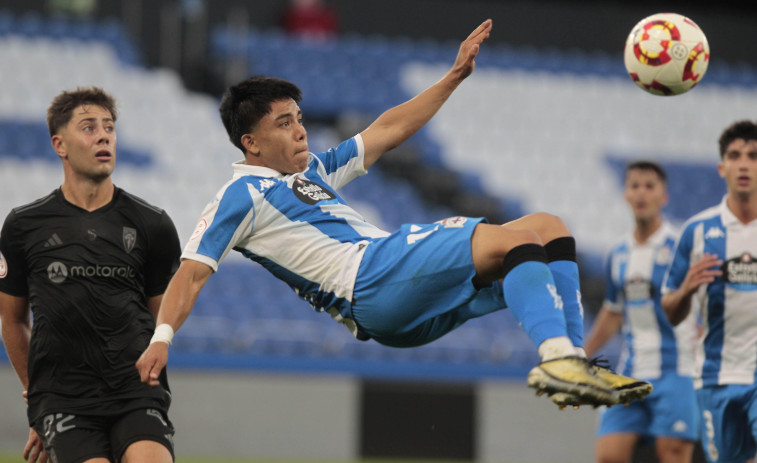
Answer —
(666, 54)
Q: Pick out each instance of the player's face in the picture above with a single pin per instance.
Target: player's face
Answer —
(279, 141)
(739, 167)
(645, 193)
(87, 144)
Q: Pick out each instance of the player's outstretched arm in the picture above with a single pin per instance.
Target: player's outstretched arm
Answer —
(677, 304)
(177, 303)
(399, 123)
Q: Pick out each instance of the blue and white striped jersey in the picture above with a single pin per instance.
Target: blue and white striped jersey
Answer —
(651, 345)
(296, 226)
(728, 352)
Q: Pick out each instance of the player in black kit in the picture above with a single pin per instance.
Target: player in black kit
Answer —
(90, 262)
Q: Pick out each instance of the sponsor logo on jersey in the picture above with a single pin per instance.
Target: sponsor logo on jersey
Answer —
(3, 266)
(714, 232)
(741, 271)
(57, 272)
(91, 234)
(309, 192)
(637, 289)
(130, 238)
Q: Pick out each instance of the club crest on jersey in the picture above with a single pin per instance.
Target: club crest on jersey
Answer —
(202, 225)
(309, 192)
(453, 222)
(3, 266)
(130, 238)
(741, 272)
(664, 255)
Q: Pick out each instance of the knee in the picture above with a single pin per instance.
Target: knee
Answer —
(519, 237)
(549, 222)
(547, 226)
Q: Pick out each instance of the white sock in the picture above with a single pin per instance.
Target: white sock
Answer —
(581, 352)
(560, 346)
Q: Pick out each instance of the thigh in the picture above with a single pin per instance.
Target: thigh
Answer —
(616, 447)
(71, 438)
(414, 275)
(145, 424)
(726, 434)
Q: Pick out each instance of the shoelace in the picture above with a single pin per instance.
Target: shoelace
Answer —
(601, 362)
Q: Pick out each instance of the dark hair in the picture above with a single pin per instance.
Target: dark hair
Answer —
(62, 107)
(746, 130)
(648, 165)
(246, 103)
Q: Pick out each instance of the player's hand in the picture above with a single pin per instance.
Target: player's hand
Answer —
(151, 362)
(465, 62)
(34, 451)
(703, 271)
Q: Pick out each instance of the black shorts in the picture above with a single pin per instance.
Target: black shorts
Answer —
(76, 438)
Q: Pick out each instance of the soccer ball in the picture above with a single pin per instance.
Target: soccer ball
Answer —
(666, 54)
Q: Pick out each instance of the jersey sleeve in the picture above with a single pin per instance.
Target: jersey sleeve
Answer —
(13, 270)
(343, 164)
(681, 261)
(163, 256)
(613, 296)
(225, 222)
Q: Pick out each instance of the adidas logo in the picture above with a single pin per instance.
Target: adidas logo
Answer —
(53, 241)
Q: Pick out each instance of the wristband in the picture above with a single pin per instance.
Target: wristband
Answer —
(163, 333)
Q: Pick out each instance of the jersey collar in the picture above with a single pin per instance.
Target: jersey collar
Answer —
(241, 169)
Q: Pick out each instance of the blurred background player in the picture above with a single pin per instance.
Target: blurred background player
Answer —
(653, 349)
(403, 289)
(91, 262)
(715, 260)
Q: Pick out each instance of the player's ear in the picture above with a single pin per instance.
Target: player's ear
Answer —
(250, 143)
(59, 146)
(721, 169)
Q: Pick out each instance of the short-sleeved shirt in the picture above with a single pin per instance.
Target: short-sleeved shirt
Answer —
(728, 352)
(652, 346)
(295, 225)
(87, 277)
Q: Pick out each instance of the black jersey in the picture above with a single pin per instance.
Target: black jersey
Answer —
(87, 276)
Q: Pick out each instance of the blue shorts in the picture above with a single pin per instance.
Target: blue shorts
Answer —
(729, 422)
(415, 285)
(669, 411)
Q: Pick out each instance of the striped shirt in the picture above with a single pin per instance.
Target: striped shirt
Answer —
(295, 225)
(635, 272)
(727, 353)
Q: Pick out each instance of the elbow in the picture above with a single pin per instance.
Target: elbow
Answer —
(674, 314)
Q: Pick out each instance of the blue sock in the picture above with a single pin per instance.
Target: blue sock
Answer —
(561, 254)
(531, 295)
